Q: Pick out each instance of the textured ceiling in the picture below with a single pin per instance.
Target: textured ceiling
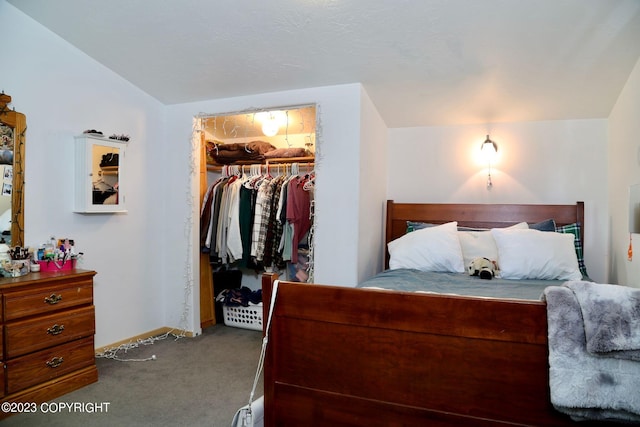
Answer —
(422, 62)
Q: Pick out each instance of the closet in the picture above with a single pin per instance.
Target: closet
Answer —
(257, 187)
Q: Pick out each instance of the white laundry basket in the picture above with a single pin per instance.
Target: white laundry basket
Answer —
(243, 317)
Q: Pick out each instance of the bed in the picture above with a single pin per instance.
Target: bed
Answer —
(342, 356)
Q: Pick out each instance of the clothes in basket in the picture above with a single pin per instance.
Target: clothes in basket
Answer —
(242, 308)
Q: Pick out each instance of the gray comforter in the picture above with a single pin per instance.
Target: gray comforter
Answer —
(458, 284)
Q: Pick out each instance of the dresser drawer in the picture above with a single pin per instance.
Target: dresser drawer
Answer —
(26, 336)
(47, 299)
(48, 364)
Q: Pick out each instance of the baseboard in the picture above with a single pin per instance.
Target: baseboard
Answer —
(146, 335)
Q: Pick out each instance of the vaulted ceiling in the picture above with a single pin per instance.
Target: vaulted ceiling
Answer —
(422, 62)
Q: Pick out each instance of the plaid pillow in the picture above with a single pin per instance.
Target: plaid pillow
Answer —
(575, 230)
(413, 225)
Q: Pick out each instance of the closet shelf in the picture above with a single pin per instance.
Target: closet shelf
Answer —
(274, 161)
(109, 170)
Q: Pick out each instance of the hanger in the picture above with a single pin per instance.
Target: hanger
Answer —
(234, 172)
(309, 183)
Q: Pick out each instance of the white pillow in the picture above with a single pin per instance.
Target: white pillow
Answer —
(533, 254)
(481, 244)
(428, 249)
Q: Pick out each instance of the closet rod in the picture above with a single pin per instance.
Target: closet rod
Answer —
(270, 162)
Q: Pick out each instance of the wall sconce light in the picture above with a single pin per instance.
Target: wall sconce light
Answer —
(489, 150)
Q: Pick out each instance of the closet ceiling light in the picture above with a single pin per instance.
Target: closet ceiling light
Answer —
(271, 121)
(270, 128)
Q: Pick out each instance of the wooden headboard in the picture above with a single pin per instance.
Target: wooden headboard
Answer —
(477, 215)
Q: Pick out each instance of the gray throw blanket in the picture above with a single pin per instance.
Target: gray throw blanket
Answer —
(594, 350)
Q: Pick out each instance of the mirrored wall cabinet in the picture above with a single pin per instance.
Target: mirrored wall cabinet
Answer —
(100, 169)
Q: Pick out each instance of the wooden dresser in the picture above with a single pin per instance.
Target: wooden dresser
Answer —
(48, 327)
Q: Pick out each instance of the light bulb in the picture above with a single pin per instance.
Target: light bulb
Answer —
(489, 149)
(270, 127)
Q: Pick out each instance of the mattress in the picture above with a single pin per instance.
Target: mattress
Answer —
(410, 280)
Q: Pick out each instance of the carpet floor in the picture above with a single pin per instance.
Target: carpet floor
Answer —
(199, 381)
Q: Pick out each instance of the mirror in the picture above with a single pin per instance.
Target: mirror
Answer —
(13, 126)
(106, 173)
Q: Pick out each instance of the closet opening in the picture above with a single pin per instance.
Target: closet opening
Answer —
(257, 186)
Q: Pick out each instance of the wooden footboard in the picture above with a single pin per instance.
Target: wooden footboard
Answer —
(358, 357)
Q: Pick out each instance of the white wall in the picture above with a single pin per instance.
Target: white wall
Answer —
(538, 162)
(624, 170)
(63, 92)
(372, 189)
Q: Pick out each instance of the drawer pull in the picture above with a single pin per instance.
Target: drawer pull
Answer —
(55, 362)
(53, 299)
(55, 329)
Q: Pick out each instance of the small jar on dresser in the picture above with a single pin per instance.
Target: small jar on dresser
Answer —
(46, 335)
